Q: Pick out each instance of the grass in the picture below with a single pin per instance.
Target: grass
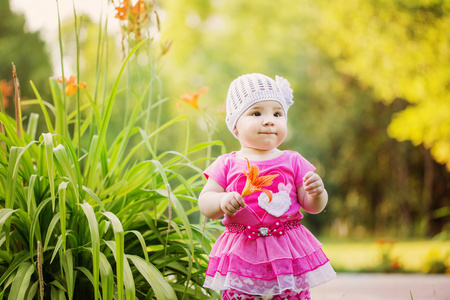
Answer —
(366, 256)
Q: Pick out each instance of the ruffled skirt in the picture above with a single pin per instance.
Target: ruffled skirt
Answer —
(271, 264)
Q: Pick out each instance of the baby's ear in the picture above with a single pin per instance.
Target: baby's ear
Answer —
(235, 131)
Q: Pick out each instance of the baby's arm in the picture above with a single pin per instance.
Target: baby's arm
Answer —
(214, 201)
(312, 194)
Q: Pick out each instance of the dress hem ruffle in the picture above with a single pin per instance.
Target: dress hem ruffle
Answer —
(292, 261)
(277, 286)
(266, 270)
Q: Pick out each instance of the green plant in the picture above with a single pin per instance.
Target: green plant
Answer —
(436, 262)
(388, 263)
(86, 217)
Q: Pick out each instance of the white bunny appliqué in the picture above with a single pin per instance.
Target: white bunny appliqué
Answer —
(280, 203)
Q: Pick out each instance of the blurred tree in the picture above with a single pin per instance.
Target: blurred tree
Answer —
(373, 180)
(401, 50)
(26, 50)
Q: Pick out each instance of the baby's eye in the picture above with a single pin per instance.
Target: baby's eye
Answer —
(256, 114)
(277, 114)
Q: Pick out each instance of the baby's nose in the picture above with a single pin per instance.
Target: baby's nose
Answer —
(268, 122)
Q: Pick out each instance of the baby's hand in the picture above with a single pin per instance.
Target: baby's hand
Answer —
(313, 184)
(231, 202)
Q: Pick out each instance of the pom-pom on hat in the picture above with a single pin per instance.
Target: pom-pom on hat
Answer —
(249, 89)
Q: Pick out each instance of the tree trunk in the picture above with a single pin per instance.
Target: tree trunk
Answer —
(436, 193)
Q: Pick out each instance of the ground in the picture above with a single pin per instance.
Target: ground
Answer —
(356, 286)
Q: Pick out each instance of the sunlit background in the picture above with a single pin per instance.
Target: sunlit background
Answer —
(371, 89)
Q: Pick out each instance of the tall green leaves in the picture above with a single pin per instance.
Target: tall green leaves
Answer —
(113, 212)
(95, 244)
(95, 156)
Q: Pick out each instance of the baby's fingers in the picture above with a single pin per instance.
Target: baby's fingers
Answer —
(313, 183)
(229, 210)
(240, 200)
(310, 177)
(316, 191)
(231, 203)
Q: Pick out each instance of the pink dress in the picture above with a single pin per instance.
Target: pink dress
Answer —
(264, 248)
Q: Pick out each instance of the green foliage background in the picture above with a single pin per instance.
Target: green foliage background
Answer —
(371, 95)
(371, 88)
(15, 45)
(371, 112)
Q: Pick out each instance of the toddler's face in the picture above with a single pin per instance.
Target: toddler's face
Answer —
(262, 126)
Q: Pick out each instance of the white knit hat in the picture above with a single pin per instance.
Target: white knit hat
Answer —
(249, 89)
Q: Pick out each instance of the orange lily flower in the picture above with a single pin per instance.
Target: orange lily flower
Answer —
(192, 98)
(135, 15)
(255, 182)
(7, 91)
(71, 84)
(127, 11)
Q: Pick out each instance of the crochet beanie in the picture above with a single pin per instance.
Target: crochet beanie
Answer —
(249, 89)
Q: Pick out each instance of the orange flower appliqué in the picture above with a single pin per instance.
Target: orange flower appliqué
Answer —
(255, 182)
(192, 98)
(71, 84)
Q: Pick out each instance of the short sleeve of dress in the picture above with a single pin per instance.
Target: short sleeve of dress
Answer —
(304, 167)
(217, 171)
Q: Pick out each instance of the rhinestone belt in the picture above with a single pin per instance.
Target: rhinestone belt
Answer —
(256, 231)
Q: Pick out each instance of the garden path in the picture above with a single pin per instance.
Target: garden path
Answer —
(363, 286)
